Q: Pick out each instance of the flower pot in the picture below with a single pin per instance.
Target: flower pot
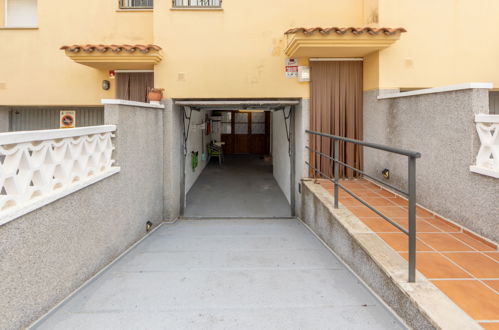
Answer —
(155, 95)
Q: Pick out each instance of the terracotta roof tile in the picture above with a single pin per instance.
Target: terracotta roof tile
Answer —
(90, 48)
(342, 31)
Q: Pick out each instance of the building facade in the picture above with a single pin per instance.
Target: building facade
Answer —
(255, 77)
(70, 56)
(238, 49)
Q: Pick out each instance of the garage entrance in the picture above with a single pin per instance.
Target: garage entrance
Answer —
(238, 158)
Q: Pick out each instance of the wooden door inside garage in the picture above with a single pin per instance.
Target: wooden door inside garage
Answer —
(246, 132)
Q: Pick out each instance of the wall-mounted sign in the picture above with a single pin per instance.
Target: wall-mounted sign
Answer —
(303, 73)
(67, 119)
(291, 67)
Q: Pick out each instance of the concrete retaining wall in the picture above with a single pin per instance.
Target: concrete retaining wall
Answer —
(173, 183)
(47, 254)
(442, 127)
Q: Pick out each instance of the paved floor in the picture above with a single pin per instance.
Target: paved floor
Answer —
(463, 266)
(243, 186)
(225, 274)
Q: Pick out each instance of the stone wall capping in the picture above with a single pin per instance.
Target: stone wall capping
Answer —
(132, 103)
(443, 89)
(491, 119)
(39, 135)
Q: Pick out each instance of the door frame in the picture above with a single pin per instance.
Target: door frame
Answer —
(194, 105)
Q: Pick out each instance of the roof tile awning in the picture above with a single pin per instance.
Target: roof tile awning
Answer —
(339, 42)
(115, 56)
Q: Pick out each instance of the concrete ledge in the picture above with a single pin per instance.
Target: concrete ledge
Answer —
(50, 134)
(489, 119)
(484, 171)
(133, 103)
(442, 89)
(421, 305)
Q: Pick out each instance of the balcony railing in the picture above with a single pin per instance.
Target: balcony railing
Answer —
(197, 3)
(136, 4)
(38, 167)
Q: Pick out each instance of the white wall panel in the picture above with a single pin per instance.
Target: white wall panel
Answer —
(280, 153)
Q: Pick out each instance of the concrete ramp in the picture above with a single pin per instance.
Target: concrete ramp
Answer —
(225, 274)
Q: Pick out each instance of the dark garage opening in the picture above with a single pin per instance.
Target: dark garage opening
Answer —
(254, 178)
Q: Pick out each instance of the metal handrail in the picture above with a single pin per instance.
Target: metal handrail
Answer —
(403, 193)
(196, 3)
(410, 193)
(370, 145)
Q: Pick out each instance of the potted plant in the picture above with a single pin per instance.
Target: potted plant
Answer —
(155, 95)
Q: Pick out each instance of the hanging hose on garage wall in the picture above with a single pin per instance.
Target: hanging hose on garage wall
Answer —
(188, 128)
(287, 117)
(194, 160)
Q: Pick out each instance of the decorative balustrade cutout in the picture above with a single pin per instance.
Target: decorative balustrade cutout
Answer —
(38, 167)
(487, 160)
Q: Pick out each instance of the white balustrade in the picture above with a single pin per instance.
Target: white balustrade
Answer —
(38, 167)
(487, 159)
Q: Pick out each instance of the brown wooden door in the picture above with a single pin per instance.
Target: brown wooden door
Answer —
(241, 133)
(249, 133)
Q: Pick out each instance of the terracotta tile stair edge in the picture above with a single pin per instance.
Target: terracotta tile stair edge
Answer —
(431, 303)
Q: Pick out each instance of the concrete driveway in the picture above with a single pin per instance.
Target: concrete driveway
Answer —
(225, 274)
(244, 186)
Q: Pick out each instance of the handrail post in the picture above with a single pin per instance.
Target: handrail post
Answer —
(412, 219)
(336, 168)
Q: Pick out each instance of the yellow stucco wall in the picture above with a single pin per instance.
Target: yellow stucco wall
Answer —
(33, 71)
(448, 42)
(2, 13)
(239, 51)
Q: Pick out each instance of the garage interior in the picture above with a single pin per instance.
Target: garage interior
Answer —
(238, 158)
